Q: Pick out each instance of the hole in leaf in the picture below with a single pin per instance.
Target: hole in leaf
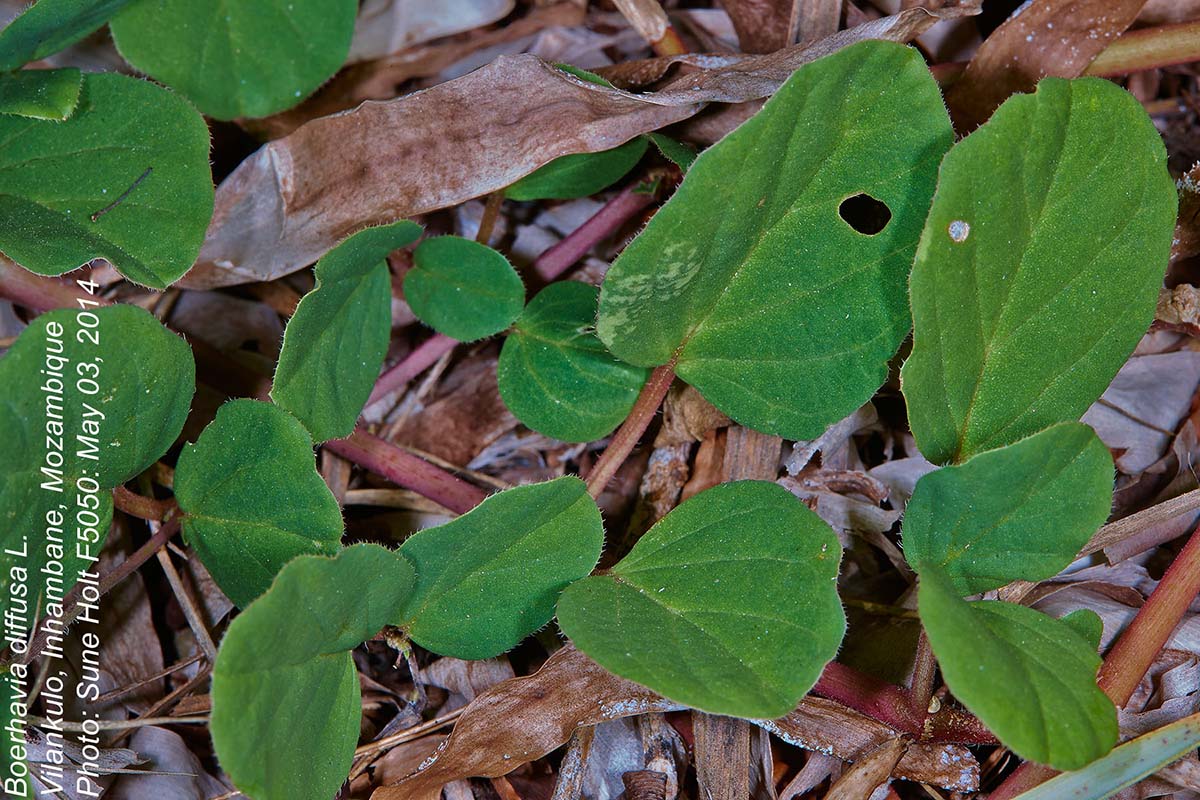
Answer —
(865, 214)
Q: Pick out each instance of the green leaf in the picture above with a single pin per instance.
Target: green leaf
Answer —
(40, 93)
(463, 289)
(491, 577)
(782, 314)
(237, 59)
(126, 178)
(59, 432)
(49, 26)
(556, 376)
(729, 604)
(1039, 267)
(1030, 678)
(335, 342)
(579, 175)
(677, 152)
(1020, 512)
(1125, 765)
(253, 499)
(286, 706)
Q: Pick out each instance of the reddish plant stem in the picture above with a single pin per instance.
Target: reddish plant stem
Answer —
(136, 505)
(1139, 644)
(626, 205)
(1129, 659)
(38, 292)
(869, 695)
(420, 359)
(1132, 51)
(407, 470)
(631, 430)
(491, 213)
(894, 707)
(924, 671)
(549, 265)
(1148, 48)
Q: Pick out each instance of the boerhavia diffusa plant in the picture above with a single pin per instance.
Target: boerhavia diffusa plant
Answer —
(780, 281)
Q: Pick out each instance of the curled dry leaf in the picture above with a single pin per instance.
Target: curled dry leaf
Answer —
(1043, 37)
(525, 718)
(1187, 230)
(388, 26)
(293, 200)
(1179, 309)
(869, 772)
(827, 727)
(766, 25)
(741, 78)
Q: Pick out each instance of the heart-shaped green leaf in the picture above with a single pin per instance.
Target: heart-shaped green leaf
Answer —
(61, 434)
(780, 311)
(286, 706)
(579, 175)
(1020, 512)
(729, 604)
(556, 376)
(335, 342)
(253, 498)
(48, 26)
(1029, 677)
(1039, 267)
(126, 178)
(40, 93)
(490, 578)
(237, 59)
(463, 289)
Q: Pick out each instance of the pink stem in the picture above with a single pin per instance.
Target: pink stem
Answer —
(615, 213)
(407, 470)
(37, 292)
(422, 358)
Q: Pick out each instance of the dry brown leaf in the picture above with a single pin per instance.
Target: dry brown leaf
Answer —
(172, 773)
(766, 25)
(388, 26)
(1179, 309)
(687, 417)
(1187, 230)
(1043, 37)
(741, 78)
(464, 416)
(382, 78)
(1139, 412)
(524, 719)
(869, 772)
(1162, 12)
(646, 16)
(827, 727)
(296, 197)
